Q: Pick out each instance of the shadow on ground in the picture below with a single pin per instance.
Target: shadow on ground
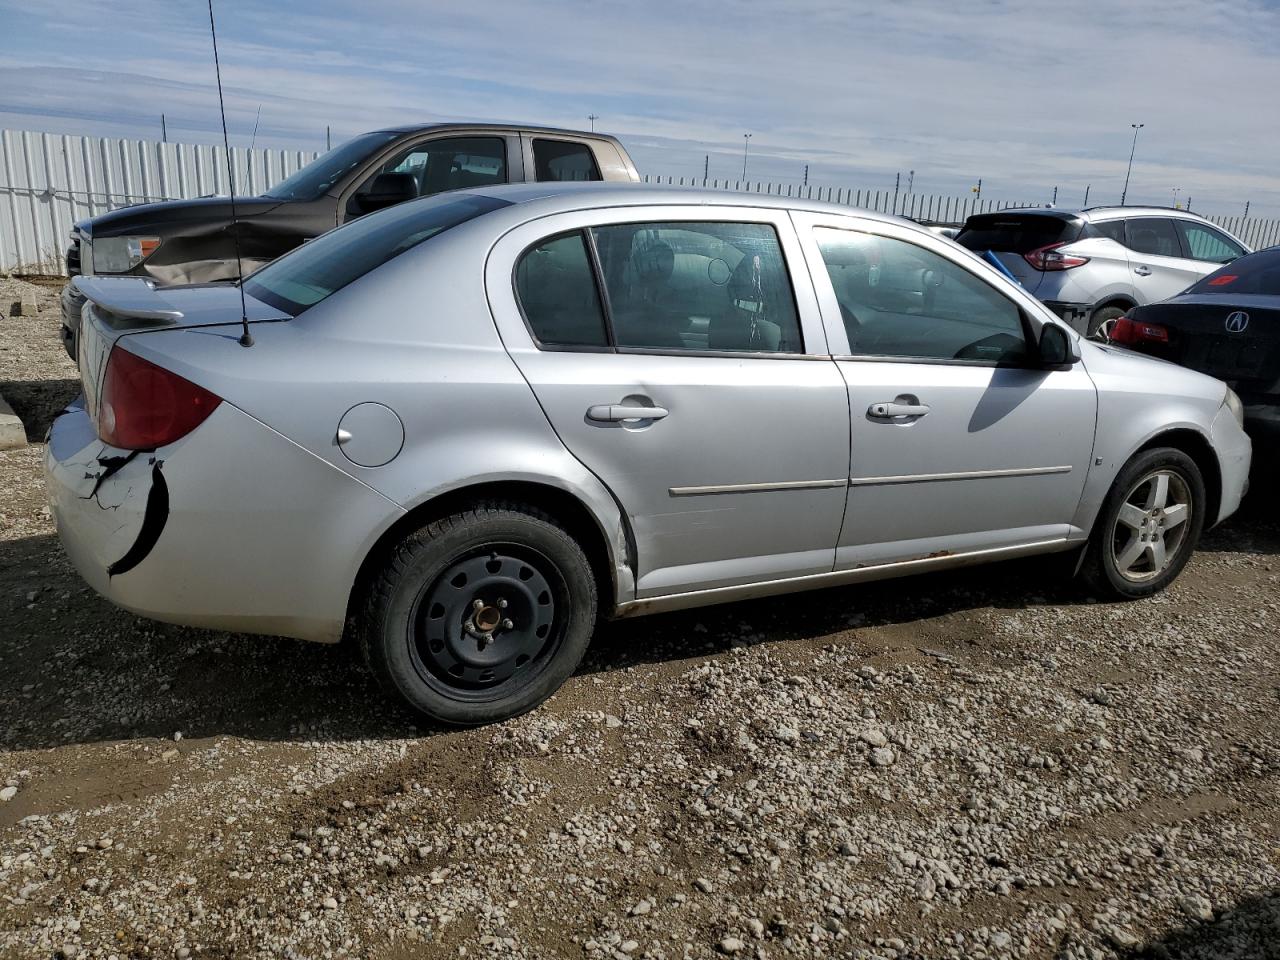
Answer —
(76, 669)
(37, 402)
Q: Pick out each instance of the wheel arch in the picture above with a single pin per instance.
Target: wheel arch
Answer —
(1196, 446)
(1124, 301)
(578, 518)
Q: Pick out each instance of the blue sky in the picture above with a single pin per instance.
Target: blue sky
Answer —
(1025, 95)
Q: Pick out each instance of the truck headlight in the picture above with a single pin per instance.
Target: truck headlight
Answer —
(1232, 403)
(121, 254)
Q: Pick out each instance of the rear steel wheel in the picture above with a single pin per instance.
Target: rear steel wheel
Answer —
(486, 620)
(479, 615)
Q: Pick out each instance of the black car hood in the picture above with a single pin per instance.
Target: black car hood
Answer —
(156, 217)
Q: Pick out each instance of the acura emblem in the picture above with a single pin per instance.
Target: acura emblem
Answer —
(1236, 322)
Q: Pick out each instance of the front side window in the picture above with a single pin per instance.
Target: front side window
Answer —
(698, 286)
(431, 167)
(318, 269)
(902, 301)
(1205, 243)
(1154, 236)
(564, 160)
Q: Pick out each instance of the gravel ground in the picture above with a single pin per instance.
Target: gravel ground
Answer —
(981, 764)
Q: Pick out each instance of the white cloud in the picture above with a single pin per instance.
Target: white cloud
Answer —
(1024, 95)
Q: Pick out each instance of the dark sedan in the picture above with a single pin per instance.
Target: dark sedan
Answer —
(1226, 325)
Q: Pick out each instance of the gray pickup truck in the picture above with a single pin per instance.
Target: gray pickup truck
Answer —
(194, 241)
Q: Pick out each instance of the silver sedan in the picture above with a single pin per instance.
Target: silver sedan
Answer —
(464, 429)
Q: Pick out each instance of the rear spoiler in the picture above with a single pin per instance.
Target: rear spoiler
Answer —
(132, 297)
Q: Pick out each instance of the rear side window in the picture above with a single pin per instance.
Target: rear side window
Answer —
(556, 288)
(564, 160)
(1016, 233)
(901, 301)
(1205, 243)
(1155, 236)
(669, 287)
(698, 286)
(318, 269)
(1254, 274)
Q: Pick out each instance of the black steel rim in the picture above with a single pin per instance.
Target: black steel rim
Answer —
(489, 623)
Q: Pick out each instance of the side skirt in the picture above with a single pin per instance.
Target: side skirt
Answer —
(817, 581)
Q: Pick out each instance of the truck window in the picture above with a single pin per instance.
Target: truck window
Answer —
(448, 163)
(564, 160)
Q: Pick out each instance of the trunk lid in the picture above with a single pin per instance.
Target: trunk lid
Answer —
(1206, 333)
(119, 306)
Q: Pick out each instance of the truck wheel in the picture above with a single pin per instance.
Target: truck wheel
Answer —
(1148, 526)
(480, 615)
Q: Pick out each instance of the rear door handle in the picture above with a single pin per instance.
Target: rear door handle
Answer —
(615, 412)
(1142, 270)
(896, 411)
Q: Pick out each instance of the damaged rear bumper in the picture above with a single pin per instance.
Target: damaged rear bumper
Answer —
(233, 527)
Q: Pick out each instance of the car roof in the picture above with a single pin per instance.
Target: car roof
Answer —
(466, 125)
(1099, 213)
(557, 197)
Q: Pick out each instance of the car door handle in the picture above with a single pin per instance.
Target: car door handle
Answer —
(1142, 270)
(896, 411)
(615, 412)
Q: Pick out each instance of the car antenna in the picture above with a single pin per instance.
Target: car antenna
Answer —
(245, 339)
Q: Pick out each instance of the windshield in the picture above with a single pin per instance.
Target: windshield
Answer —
(319, 176)
(320, 268)
(1256, 274)
(1015, 233)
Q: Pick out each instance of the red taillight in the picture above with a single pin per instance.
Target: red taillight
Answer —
(1128, 331)
(144, 406)
(1049, 258)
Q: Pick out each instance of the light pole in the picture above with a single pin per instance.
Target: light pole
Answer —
(1125, 192)
(593, 117)
(746, 139)
(1176, 191)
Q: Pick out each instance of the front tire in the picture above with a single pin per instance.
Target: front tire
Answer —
(1148, 527)
(481, 615)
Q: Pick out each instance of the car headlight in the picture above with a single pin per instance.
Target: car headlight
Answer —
(122, 254)
(1232, 403)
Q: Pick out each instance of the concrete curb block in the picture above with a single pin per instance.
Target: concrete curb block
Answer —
(13, 435)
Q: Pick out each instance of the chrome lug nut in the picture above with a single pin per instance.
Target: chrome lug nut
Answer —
(507, 624)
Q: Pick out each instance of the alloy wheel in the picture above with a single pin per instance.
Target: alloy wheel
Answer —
(1151, 527)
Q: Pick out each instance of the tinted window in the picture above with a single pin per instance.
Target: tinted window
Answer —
(328, 263)
(564, 160)
(1016, 232)
(556, 288)
(1205, 243)
(318, 176)
(698, 286)
(1255, 274)
(901, 300)
(1153, 235)
(453, 163)
(1111, 229)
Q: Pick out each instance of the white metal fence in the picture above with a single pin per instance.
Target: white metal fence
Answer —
(1257, 232)
(50, 181)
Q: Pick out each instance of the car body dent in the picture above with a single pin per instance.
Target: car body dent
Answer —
(257, 549)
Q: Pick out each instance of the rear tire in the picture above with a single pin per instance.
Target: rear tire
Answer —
(1148, 527)
(1103, 315)
(481, 615)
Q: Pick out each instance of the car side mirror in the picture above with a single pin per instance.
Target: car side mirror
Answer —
(388, 189)
(1057, 350)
